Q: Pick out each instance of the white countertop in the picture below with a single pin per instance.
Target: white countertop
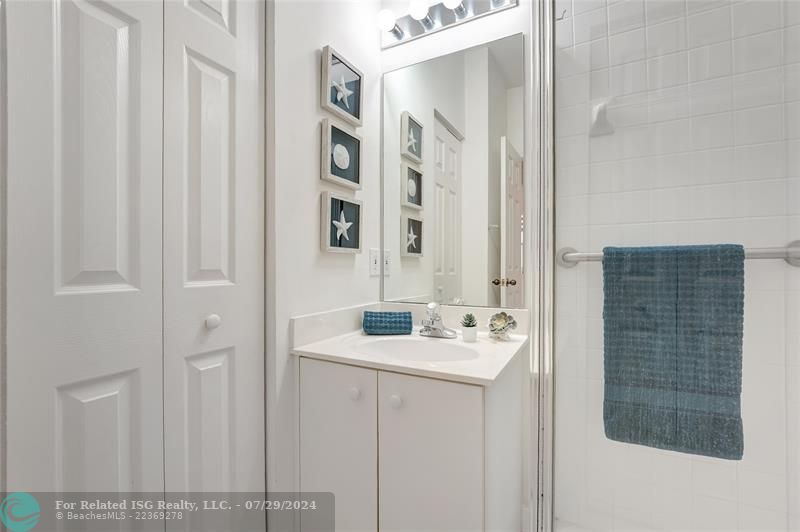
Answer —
(484, 362)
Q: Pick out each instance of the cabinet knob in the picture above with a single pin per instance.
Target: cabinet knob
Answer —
(213, 321)
(396, 401)
(355, 393)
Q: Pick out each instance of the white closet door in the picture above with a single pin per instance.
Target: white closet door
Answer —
(84, 245)
(214, 245)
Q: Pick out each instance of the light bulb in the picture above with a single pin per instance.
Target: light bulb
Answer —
(418, 10)
(456, 6)
(388, 23)
(386, 20)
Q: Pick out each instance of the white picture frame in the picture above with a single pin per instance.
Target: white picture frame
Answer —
(408, 124)
(405, 237)
(405, 168)
(330, 129)
(331, 59)
(327, 227)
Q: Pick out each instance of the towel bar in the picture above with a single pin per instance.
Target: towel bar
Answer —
(570, 257)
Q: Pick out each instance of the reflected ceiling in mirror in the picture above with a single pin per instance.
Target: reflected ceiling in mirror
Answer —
(454, 201)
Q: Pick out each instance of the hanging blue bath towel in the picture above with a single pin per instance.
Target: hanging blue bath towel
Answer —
(673, 347)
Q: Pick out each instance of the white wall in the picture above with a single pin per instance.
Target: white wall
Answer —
(474, 168)
(498, 128)
(309, 280)
(707, 114)
(515, 117)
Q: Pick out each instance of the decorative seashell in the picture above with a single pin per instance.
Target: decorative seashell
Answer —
(341, 157)
(500, 324)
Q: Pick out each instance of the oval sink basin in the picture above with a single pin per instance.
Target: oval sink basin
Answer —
(416, 349)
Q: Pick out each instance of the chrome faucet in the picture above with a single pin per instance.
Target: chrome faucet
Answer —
(433, 326)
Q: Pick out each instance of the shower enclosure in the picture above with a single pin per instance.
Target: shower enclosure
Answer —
(676, 122)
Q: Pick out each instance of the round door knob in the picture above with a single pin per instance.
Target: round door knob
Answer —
(496, 282)
(213, 321)
(355, 393)
(512, 282)
(396, 401)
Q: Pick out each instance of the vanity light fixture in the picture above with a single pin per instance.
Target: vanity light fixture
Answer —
(388, 23)
(457, 7)
(426, 17)
(419, 12)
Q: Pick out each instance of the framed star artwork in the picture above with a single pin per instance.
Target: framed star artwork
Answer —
(341, 224)
(341, 90)
(410, 137)
(341, 156)
(411, 186)
(411, 237)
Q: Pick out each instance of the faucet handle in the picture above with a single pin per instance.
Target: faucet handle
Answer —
(433, 310)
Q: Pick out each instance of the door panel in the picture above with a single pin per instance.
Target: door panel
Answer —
(98, 72)
(209, 191)
(84, 246)
(431, 454)
(213, 246)
(447, 213)
(512, 227)
(338, 439)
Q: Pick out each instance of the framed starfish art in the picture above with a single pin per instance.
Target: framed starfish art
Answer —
(341, 156)
(341, 92)
(411, 186)
(411, 237)
(410, 137)
(341, 224)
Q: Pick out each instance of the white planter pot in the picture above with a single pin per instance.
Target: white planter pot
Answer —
(469, 334)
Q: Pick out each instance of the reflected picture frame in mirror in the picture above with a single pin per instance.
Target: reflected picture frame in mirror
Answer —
(412, 140)
(412, 188)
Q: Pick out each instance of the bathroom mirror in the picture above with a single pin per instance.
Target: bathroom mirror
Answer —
(453, 194)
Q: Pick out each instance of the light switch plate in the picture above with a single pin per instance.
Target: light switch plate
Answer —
(374, 262)
(387, 263)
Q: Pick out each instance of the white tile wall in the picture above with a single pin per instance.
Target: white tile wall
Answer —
(705, 99)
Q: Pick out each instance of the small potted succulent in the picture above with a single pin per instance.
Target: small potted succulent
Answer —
(500, 325)
(469, 328)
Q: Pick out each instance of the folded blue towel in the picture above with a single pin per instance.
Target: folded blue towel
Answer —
(387, 322)
(673, 348)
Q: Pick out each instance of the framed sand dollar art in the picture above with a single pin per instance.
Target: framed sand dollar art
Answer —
(340, 157)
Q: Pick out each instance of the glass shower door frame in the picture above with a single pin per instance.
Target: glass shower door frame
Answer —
(543, 296)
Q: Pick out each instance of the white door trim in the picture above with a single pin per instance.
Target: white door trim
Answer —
(448, 125)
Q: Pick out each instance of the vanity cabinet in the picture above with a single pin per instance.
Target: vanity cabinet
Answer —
(404, 452)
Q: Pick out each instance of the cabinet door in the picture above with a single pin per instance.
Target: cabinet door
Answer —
(338, 439)
(431, 454)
